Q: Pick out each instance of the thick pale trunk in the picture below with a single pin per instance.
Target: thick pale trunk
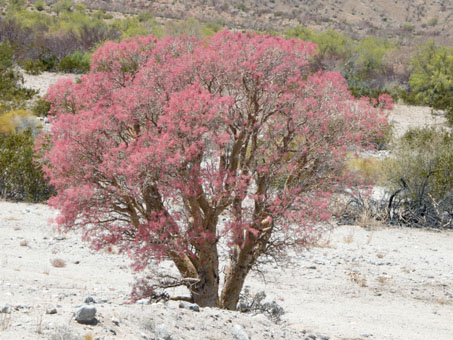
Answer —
(206, 292)
(235, 278)
(234, 281)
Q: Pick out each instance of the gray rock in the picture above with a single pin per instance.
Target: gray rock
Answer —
(51, 310)
(5, 309)
(192, 306)
(89, 299)
(143, 301)
(239, 333)
(161, 331)
(86, 314)
(322, 337)
(144, 336)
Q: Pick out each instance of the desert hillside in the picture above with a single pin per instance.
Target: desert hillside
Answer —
(408, 20)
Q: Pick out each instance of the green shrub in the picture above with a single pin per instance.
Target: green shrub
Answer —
(423, 159)
(40, 6)
(34, 67)
(431, 79)
(41, 107)
(75, 63)
(21, 178)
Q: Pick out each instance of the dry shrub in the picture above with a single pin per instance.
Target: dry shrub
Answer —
(369, 168)
(357, 278)
(5, 321)
(58, 263)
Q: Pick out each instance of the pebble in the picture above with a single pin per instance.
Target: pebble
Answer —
(51, 310)
(89, 299)
(86, 314)
(143, 301)
(192, 306)
(5, 309)
(162, 332)
(239, 333)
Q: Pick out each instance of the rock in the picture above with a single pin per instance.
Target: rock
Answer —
(162, 332)
(59, 238)
(115, 322)
(51, 310)
(143, 301)
(311, 337)
(112, 331)
(192, 306)
(5, 309)
(239, 333)
(89, 299)
(144, 336)
(86, 314)
(322, 337)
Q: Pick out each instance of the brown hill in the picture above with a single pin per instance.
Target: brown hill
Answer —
(410, 21)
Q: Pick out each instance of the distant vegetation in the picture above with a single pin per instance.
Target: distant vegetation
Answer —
(62, 36)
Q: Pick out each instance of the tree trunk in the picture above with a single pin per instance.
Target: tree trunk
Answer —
(205, 293)
(234, 279)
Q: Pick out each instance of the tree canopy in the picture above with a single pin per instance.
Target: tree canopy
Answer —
(180, 149)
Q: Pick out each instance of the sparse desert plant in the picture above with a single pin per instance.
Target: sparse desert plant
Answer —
(255, 303)
(21, 178)
(170, 149)
(64, 333)
(420, 175)
(88, 336)
(58, 263)
(357, 277)
(5, 321)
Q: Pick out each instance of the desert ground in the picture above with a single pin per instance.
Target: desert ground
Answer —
(358, 282)
(376, 282)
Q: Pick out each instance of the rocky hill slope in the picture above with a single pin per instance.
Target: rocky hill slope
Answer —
(409, 20)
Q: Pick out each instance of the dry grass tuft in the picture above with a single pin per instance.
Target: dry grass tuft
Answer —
(350, 237)
(357, 278)
(58, 263)
(5, 321)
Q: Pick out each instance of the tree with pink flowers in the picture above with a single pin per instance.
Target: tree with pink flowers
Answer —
(196, 151)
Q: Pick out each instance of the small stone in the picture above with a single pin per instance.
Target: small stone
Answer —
(145, 301)
(115, 322)
(192, 306)
(311, 337)
(366, 335)
(112, 331)
(322, 337)
(239, 333)
(162, 332)
(89, 299)
(144, 336)
(5, 309)
(51, 310)
(59, 238)
(86, 314)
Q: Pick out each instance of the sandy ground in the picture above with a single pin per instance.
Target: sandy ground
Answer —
(404, 117)
(42, 82)
(379, 283)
